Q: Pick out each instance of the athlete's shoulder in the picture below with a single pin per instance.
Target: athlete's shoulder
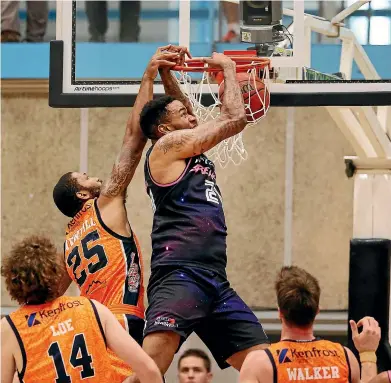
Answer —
(7, 333)
(329, 344)
(258, 356)
(5, 326)
(257, 367)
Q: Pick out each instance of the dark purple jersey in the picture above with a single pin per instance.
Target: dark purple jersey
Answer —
(188, 224)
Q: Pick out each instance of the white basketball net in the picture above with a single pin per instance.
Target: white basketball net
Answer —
(232, 149)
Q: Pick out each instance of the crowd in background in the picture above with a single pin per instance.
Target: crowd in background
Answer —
(98, 21)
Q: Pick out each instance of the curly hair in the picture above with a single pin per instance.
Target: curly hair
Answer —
(64, 195)
(32, 271)
(298, 295)
(152, 114)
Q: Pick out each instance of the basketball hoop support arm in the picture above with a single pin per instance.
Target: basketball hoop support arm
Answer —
(348, 11)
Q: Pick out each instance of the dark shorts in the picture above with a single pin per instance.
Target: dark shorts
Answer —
(189, 299)
(134, 325)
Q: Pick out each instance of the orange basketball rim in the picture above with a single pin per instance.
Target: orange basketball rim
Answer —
(199, 80)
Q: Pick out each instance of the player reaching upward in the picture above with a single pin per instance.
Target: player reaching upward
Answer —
(188, 289)
(101, 251)
(53, 338)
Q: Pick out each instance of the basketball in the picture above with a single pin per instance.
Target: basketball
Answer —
(256, 101)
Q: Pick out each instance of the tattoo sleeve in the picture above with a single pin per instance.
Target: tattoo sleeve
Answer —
(121, 173)
(172, 88)
(233, 104)
(187, 143)
(132, 147)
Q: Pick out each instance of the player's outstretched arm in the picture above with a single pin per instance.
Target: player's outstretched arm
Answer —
(256, 368)
(8, 367)
(134, 141)
(127, 348)
(171, 86)
(181, 144)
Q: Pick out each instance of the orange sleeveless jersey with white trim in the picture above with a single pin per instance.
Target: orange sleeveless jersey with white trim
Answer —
(61, 341)
(106, 266)
(316, 361)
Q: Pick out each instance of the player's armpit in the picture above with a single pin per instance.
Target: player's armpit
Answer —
(8, 367)
(127, 348)
(181, 144)
(256, 368)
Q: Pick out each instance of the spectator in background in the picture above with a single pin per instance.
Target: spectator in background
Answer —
(37, 19)
(231, 13)
(98, 20)
(194, 367)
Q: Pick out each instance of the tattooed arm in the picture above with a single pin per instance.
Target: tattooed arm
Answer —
(181, 144)
(171, 86)
(134, 141)
(132, 147)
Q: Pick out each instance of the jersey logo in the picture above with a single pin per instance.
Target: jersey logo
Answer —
(133, 275)
(31, 321)
(282, 356)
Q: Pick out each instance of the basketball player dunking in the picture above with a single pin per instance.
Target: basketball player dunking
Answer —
(101, 251)
(188, 289)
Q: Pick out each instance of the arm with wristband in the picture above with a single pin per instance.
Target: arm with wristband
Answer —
(366, 343)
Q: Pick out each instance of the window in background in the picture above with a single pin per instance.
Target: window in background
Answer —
(380, 33)
(359, 26)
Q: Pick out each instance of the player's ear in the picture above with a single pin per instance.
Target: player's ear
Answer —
(163, 129)
(83, 194)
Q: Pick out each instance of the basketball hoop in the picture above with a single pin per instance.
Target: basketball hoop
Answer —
(198, 80)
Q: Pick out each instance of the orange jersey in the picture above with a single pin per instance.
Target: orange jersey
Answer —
(106, 266)
(62, 341)
(316, 361)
